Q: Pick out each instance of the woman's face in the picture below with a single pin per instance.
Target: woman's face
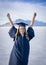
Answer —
(22, 29)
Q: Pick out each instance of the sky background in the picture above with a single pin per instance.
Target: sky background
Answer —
(23, 9)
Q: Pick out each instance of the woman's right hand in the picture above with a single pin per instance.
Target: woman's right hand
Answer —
(8, 15)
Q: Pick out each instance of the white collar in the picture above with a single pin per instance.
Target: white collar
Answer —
(22, 35)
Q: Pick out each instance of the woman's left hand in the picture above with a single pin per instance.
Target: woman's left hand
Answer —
(33, 19)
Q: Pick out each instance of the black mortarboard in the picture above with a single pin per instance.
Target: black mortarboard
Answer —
(21, 24)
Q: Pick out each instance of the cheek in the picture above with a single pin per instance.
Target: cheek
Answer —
(21, 31)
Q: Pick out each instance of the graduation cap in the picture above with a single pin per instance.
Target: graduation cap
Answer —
(21, 24)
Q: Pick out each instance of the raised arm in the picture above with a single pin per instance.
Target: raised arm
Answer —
(8, 15)
(12, 30)
(33, 19)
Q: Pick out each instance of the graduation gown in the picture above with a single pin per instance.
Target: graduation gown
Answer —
(20, 52)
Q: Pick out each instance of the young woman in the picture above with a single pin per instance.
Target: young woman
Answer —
(20, 51)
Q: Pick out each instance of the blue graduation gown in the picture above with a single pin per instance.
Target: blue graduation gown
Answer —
(20, 52)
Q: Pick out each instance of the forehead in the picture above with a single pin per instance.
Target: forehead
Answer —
(21, 26)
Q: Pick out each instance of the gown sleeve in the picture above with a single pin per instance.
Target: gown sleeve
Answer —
(12, 32)
(30, 32)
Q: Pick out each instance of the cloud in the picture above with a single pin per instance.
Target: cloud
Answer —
(33, 1)
(21, 10)
(41, 2)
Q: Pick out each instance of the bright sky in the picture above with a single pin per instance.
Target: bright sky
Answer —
(23, 9)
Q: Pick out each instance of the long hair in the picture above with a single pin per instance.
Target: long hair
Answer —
(25, 33)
